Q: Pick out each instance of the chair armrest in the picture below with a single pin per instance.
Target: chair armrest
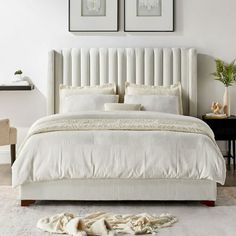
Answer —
(13, 135)
(4, 132)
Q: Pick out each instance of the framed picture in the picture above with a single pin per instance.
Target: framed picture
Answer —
(149, 16)
(93, 15)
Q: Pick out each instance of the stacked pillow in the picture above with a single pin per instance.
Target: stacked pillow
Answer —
(166, 99)
(122, 107)
(87, 98)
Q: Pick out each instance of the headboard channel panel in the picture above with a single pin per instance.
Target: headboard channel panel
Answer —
(103, 63)
(139, 66)
(149, 66)
(158, 66)
(76, 67)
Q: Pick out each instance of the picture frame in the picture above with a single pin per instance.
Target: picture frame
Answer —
(149, 16)
(93, 15)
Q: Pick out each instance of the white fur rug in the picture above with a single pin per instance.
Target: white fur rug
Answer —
(194, 218)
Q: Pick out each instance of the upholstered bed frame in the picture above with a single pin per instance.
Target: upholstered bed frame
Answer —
(150, 66)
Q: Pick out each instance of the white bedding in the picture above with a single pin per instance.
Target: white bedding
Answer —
(53, 154)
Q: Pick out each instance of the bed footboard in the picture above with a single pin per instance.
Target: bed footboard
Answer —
(120, 190)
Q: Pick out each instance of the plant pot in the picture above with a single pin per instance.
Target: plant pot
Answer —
(17, 78)
(226, 101)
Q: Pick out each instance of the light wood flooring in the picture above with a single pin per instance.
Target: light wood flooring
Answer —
(5, 176)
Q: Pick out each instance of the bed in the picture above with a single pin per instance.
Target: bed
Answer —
(178, 162)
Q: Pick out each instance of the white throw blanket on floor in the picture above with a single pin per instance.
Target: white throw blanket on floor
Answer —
(103, 224)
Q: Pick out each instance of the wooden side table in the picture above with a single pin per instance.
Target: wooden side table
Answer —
(224, 129)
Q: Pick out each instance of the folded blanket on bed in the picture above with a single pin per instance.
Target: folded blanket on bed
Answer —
(145, 121)
(105, 224)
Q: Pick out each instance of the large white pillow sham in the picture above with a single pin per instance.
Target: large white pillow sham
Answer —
(172, 90)
(158, 103)
(121, 107)
(87, 102)
(66, 91)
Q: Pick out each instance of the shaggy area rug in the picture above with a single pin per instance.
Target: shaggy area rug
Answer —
(193, 218)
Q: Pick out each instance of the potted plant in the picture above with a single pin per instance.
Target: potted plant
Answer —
(226, 74)
(18, 75)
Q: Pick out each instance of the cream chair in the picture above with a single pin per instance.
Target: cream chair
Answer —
(8, 136)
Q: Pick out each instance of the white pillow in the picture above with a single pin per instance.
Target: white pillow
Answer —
(66, 91)
(172, 90)
(121, 107)
(87, 102)
(159, 103)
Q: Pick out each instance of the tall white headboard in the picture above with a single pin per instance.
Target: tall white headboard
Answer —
(150, 66)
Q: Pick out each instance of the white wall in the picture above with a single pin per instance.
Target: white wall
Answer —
(29, 28)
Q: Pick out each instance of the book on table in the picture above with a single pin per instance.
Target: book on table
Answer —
(215, 116)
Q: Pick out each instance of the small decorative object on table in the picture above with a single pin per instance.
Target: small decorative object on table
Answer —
(216, 108)
(217, 112)
(18, 83)
(18, 76)
(226, 74)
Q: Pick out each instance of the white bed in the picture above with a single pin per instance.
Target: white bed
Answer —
(180, 178)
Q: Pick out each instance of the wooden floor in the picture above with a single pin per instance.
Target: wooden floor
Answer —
(5, 176)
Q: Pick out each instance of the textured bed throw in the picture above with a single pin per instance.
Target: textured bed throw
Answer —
(104, 224)
(144, 121)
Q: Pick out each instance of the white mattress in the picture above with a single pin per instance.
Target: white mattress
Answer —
(119, 154)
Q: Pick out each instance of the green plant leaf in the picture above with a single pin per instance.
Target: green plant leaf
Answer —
(18, 72)
(225, 73)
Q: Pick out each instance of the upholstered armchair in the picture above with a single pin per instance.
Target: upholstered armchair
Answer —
(8, 136)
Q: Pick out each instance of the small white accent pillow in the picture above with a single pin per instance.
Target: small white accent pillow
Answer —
(158, 103)
(87, 102)
(172, 90)
(121, 107)
(66, 91)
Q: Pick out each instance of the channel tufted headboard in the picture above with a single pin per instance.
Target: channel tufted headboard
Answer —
(150, 66)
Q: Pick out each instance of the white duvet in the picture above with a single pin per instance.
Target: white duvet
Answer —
(118, 145)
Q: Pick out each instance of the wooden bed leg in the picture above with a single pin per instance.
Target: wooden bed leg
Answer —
(208, 203)
(26, 203)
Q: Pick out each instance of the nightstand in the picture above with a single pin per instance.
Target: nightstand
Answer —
(224, 129)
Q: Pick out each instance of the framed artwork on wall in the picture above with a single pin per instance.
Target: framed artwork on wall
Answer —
(149, 16)
(93, 15)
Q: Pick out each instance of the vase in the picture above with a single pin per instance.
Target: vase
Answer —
(226, 101)
(17, 78)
